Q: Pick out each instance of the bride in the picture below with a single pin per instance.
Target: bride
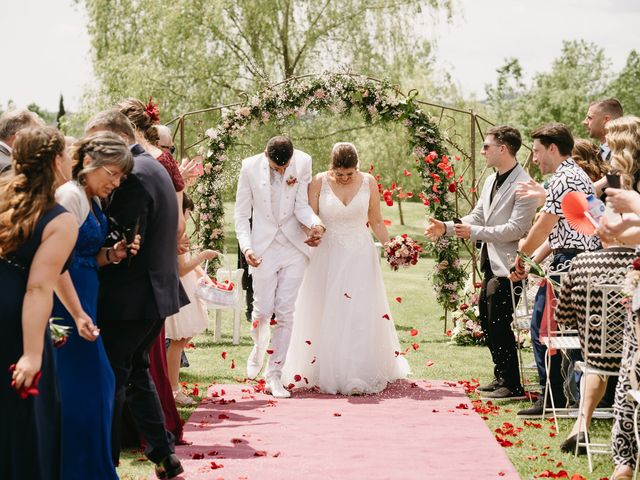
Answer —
(343, 339)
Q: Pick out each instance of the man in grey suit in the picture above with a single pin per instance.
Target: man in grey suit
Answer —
(11, 122)
(499, 220)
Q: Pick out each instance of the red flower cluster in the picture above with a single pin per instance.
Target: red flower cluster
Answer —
(402, 251)
(151, 109)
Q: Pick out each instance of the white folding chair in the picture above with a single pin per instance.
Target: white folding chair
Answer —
(563, 341)
(523, 298)
(235, 276)
(606, 311)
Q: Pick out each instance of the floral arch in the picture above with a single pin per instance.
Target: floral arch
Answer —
(379, 102)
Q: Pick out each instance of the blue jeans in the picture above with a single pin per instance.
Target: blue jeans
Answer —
(539, 349)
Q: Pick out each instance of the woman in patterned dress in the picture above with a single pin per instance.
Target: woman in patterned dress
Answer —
(587, 269)
(623, 137)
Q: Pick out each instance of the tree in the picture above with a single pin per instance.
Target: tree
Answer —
(61, 112)
(195, 53)
(48, 117)
(577, 77)
(626, 85)
(509, 87)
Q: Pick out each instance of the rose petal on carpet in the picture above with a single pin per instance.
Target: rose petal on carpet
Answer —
(412, 430)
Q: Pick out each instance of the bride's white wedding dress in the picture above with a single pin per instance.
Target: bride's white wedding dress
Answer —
(343, 338)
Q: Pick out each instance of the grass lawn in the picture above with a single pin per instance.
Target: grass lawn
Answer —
(535, 448)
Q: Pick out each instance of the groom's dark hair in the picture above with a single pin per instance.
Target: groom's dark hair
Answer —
(280, 150)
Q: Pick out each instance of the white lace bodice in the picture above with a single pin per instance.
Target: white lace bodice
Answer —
(346, 224)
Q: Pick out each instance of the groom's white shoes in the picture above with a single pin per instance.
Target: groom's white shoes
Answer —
(255, 362)
(277, 390)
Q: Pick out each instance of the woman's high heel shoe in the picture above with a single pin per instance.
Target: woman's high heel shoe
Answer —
(569, 445)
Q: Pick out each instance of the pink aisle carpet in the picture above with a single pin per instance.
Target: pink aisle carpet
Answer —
(413, 430)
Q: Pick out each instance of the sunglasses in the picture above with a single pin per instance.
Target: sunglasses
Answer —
(171, 148)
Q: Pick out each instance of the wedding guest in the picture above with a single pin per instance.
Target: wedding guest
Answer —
(587, 155)
(144, 117)
(36, 240)
(100, 162)
(572, 312)
(598, 115)
(275, 247)
(192, 319)
(343, 341)
(11, 122)
(499, 220)
(552, 146)
(136, 296)
(190, 169)
(623, 136)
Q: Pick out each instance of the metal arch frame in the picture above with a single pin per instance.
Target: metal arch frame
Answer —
(442, 113)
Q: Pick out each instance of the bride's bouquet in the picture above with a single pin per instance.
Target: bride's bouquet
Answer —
(402, 251)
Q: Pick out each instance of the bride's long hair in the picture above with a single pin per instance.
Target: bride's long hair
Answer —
(344, 155)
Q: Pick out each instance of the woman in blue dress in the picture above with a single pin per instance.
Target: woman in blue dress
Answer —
(36, 239)
(87, 384)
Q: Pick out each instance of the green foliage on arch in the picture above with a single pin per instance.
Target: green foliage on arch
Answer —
(378, 102)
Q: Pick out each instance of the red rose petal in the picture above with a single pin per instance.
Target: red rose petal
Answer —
(233, 364)
(399, 299)
(215, 466)
(415, 346)
(386, 316)
(336, 414)
(255, 324)
(224, 355)
(297, 378)
(260, 453)
(269, 352)
(308, 342)
(347, 295)
(414, 332)
(273, 321)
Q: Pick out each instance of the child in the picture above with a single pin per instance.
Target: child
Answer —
(192, 319)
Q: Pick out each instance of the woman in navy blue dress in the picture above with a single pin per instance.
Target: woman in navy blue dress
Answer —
(87, 383)
(36, 239)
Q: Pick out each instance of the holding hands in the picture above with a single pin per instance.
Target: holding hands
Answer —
(315, 235)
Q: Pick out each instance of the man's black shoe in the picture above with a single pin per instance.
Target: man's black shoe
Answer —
(169, 467)
(489, 387)
(505, 393)
(569, 445)
(535, 411)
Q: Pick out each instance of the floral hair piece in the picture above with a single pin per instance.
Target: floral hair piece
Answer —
(151, 109)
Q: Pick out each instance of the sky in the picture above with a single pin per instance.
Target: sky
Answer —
(45, 48)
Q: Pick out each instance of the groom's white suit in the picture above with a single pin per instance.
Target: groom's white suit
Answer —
(277, 206)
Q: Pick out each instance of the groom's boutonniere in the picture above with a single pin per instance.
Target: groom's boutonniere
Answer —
(291, 181)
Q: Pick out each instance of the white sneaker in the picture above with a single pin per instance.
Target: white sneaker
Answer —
(255, 362)
(277, 390)
(182, 399)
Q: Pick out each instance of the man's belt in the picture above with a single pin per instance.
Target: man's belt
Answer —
(567, 251)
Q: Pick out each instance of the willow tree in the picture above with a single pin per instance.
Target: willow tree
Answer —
(196, 53)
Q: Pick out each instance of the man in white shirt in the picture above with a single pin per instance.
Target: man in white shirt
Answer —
(598, 116)
(272, 192)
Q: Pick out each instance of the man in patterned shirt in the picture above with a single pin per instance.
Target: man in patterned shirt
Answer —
(552, 145)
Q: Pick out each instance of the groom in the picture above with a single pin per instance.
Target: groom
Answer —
(272, 191)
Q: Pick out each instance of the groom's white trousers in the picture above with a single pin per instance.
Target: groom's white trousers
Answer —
(275, 287)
